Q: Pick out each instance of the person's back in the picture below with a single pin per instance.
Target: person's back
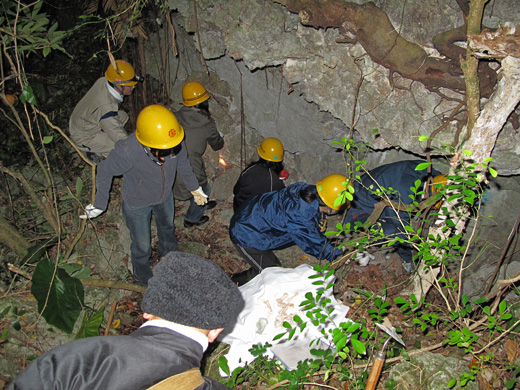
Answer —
(188, 303)
(395, 178)
(200, 131)
(264, 175)
(279, 219)
(135, 361)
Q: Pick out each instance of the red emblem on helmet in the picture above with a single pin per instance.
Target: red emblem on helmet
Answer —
(172, 133)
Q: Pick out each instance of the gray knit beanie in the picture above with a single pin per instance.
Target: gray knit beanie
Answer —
(192, 291)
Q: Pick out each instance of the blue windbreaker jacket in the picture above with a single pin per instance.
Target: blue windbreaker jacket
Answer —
(399, 176)
(280, 219)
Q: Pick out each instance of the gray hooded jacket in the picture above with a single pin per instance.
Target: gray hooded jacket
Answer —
(199, 130)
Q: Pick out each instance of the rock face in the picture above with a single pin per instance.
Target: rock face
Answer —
(271, 76)
(431, 371)
(336, 77)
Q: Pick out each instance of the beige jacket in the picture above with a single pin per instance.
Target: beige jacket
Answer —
(96, 123)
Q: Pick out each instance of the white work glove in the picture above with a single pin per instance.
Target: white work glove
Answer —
(199, 196)
(91, 212)
(364, 258)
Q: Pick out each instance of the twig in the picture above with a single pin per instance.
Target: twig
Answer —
(512, 235)
(18, 271)
(198, 35)
(110, 317)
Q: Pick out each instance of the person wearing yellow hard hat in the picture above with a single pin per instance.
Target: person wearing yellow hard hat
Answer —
(396, 180)
(200, 131)
(263, 175)
(97, 122)
(280, 219)
(149, 161)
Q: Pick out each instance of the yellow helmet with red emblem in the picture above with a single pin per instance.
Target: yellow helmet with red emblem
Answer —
(158, 128)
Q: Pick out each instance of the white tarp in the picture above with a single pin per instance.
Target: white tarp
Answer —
(271, 298)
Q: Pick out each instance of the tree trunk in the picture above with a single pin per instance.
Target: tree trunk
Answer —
(374, 31)
(12, 239)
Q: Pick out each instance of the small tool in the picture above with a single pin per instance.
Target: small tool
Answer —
(379, 358)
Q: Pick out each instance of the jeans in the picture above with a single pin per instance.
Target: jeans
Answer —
(138, 220)
(195, 212)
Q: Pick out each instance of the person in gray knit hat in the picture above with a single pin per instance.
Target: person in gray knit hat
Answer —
(188, 302)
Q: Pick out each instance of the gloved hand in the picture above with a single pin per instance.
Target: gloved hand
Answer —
(199, 196)
(284, 174)
(91, 212)
(323, 223)
(364, 258)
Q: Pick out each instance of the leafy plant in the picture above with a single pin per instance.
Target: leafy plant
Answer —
(59, 296)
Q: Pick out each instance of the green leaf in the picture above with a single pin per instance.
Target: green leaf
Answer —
(90, 328)
(502, 307)
(422, 166)
(358, 346)
(405, 355)
(223, 365)
(47, 139)
(16, 325)
(27, 96)
(467, 152)
(79, 186)
(59, 296)
(341, 343)
(93, 324)
(35, 252)
(278, 336)
(492, 172)
(424, 138)
(452, 383)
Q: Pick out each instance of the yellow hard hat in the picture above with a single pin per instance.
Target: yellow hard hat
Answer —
(431, 188)
(329, 189)
(271, 149)
(123, 75)
(194, 93)
(158, 128)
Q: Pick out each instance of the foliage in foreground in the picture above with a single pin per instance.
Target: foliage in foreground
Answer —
(476, 326)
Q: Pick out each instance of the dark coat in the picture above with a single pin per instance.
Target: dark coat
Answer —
(199, 132)
(145, 182)
(255, 180)
(399, 176)
(133, 362)
(280, 219)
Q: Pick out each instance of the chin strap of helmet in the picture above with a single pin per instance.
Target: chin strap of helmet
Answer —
(159, 161)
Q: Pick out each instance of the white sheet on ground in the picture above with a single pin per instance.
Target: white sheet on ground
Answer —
(271, 298)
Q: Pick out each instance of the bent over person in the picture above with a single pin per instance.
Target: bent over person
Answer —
(280, 219)
(97, 123)
(188, 303)
(149, 161)
(399, 177)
